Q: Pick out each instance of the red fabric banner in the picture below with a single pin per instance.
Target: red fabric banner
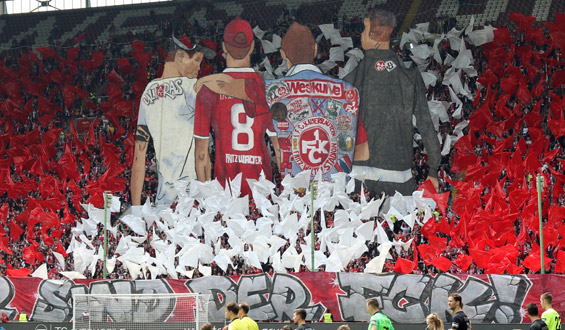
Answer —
(405, 298)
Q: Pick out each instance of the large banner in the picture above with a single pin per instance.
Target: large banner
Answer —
(404, 298)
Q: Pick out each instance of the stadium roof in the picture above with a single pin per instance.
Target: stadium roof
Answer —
(27, 6)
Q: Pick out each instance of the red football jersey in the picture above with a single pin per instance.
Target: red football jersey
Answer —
(240, 139)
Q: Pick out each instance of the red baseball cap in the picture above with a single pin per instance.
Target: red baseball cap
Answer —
(238, 33)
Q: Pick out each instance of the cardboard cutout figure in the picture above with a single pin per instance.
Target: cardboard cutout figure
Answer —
(166, 116)
(315, 116)
(239, 125)
(390, 95)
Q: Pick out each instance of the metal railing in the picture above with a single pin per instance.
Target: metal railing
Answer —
(8, 7)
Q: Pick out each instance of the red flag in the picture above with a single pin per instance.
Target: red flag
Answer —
(555, 215)
(124, 108)
(509, 85)
(427, 253)
(481, 258)
(72, 54)
(558, 78)
(439, 244)
(22, 272)
(477, 99)
(84, 158)
(162, 53)
(33, 56)
(80, 37)
(403, 266)
(462, 162)
(46, 52)
(559, 24)
(113, 76)
(129, 144)
(560, 264)
(91, 135)
(44, 106)
(95, 61)
(114, 92)
(514, 269)
(67, 167)
(523, 91)
(5, 245)
(60, 249)
(4, 213)
(533, 262)
(442, 263)
(557, 126)
(531, 162)
(33, 87)
(429, 229)
(12, 89)
(502, 37)
(522, 20)
(142, 58)
(463, 261)
(138, 88)
(550, 236)
(540, 87)
(24, 65)
(558, 39)
(535, 35)
(550, 155)
(430, 192)
(68, 95)
(56, 234)
(138, 45)
(46, 119)
(67, 216)
(124, 66)
(15, 230)
(47, 239)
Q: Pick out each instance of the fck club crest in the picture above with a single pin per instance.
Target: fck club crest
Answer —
(314, 144)
(382, 65)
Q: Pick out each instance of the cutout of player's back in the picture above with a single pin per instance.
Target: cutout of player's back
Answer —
(391, 95)
(166, 116)
(316, 116)
(239, 125)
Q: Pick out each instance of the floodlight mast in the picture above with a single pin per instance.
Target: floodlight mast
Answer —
(3, 8)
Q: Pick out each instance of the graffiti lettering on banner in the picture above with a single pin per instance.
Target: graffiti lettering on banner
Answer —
(406, 298)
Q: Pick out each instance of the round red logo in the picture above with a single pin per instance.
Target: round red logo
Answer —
(282, 91)
(315, 144)
(380, 66)
(161, 91)
(351, 94)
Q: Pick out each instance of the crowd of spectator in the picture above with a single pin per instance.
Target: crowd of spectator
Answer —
(41, 146)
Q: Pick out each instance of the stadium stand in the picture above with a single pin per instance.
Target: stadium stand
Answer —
(39, 117)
